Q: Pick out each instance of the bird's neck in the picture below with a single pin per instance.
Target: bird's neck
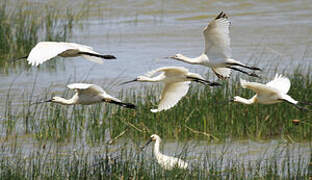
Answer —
(196, 60)
(66, 101)
(156, 149)
(245, 101)
(153, 79)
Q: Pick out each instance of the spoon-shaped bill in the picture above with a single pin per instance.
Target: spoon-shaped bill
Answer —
(50, 100)
(128, 81)
(147, 143)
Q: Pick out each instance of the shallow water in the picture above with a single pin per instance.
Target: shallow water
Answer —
(141, 33)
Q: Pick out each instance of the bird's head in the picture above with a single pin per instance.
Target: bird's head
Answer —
(56, 99)
(139, 78)
(153, 137)
(235, 99)
(177, 57)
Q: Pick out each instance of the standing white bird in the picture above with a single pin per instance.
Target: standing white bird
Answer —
(272, 92)
(88, 94)
(46, 50)
(176, 80)
(166, 162)
(217, 54)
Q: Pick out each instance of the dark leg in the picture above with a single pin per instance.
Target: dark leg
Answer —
(249, 74)
(203, 81)
(98, 55)
(126, 105)
(301, 108)
(248, 67)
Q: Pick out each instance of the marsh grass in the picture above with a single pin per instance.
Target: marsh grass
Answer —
(204, 113)
(128, 163)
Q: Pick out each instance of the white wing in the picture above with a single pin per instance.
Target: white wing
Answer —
(169, 71)
(44, 51)
(171, 95)
(91, 90)
(217, 38)
(281, 83)
(258, 87)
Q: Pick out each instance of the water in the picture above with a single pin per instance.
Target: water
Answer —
(141, 33)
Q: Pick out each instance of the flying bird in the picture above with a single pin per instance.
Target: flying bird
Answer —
(217, 54)
(88, 94)
(272, 92)
(46, 50)
(176, 80)
(166, 162)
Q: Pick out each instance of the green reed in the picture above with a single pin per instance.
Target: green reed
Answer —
(204, 113)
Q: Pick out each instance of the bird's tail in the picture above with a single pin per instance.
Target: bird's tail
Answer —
(126, 105)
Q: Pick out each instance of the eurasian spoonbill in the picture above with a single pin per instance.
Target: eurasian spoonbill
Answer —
(166, 162)
(176, 80)
(46, 50)
(272, 92)
(217, 54)
(88, 94)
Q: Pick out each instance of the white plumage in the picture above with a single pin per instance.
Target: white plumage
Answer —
(272, 92)
(44, 51)
(166, 162)
(176, 81)
(88, 94)
(217, 54)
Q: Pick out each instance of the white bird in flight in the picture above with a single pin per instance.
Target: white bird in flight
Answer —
(166, 162)
(46, 50)
(176, 80)
(217, 54)
(88, 94)
(272, 92)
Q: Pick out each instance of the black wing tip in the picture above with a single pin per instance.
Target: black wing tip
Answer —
(222, 15)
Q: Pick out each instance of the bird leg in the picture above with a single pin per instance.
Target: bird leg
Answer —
(203, 81)
(244, 66)
(98, 55)
(301, 108)
(249, 74)
(126, 105)
(305, 104)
